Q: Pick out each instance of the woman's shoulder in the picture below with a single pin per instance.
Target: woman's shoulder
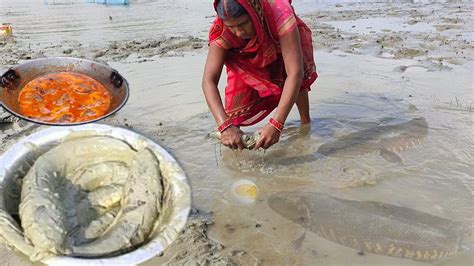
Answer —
(280, 16)
(277, 7)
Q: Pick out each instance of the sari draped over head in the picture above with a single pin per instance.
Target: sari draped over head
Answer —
(255, 69)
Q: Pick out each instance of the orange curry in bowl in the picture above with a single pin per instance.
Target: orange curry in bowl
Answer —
(64, 97)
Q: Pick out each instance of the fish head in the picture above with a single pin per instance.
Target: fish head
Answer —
(404, 136)
(250, 140)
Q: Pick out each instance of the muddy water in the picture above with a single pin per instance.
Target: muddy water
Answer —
(433, 174)
(355, 93)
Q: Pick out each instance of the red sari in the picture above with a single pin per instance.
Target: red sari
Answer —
(255, 69)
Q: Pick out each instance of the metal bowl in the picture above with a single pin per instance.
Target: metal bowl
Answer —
(17, 160)
(14, 79)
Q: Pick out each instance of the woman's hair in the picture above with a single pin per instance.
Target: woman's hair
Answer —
(229, 9)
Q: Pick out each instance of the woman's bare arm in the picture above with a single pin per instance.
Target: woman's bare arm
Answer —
(293, 59)
(231, 137)
(210, 79)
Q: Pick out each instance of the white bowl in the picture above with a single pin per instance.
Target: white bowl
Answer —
(17, 160)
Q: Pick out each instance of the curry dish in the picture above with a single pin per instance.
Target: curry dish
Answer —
(64, 97)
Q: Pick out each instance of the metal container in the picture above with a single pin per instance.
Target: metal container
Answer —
(17, 160)
(14, 79)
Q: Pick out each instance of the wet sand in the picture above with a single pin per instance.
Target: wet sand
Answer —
(379, 64)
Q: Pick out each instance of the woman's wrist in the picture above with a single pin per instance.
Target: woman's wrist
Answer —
(276, 124)
(225, 125)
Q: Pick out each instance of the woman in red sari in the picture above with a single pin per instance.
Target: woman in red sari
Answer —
(268, 53)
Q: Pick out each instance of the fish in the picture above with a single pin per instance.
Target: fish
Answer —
(105, 196)
(91, 177)
(11, 233)
(140, 208)
(385, 140)
(371, 226)
(249, 139)
(44, 217)
(97, 227)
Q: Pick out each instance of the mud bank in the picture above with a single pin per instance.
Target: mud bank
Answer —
(127, 51)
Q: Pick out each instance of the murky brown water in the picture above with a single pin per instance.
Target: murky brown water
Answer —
(435, 174)
(353, 94)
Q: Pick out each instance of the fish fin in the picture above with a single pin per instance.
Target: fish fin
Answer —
(390, 156)
(297, 243)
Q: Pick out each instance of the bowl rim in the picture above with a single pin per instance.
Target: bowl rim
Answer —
(72, 59)
(177, 218)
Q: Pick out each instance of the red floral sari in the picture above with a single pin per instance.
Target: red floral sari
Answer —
(255, 69)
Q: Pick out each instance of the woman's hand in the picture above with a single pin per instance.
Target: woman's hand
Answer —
(232, 138)
(268, 136)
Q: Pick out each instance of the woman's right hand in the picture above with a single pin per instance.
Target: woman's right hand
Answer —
(232, 138)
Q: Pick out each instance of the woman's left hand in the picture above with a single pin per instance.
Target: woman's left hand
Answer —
(268, 136)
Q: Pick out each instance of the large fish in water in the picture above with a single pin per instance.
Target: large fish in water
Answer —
(386, 140)
(375, 227)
